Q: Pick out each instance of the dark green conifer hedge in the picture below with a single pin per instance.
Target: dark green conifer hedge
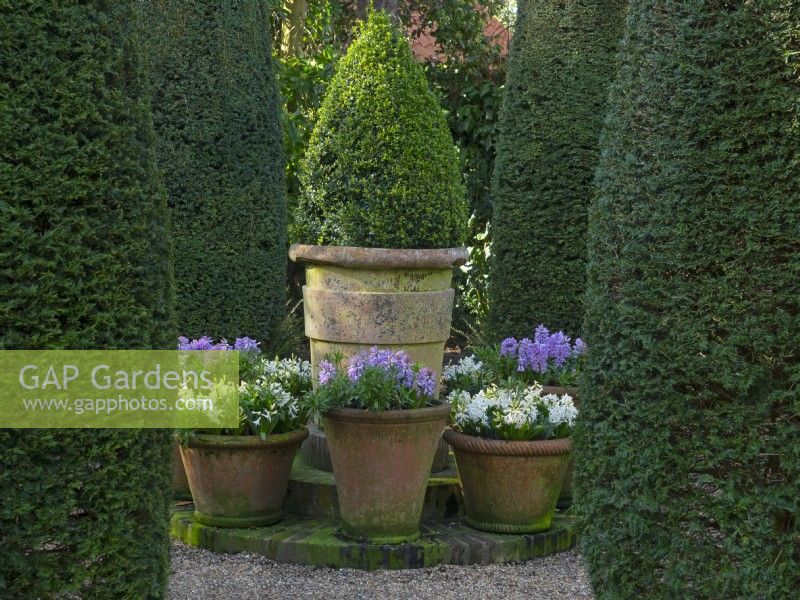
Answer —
(562, 61)
(688, 476)
(381, 169)
(85, 262)
(216, 112)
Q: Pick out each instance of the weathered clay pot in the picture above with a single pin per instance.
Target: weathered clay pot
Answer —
(356, 298)
(180, 484)
(240, 481)
(317, 454)
(565, 499)
(381, 462)
(509, 487)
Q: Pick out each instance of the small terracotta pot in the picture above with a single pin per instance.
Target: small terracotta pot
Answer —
(565, 498)
(180, 484)
(240, 481)
(381, 462)
(509, 487)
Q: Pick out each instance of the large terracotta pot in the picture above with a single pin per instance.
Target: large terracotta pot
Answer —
(565, 498)
(180, 484)
(509, 487)
(381, 462)
(356, 298)
(240, 481)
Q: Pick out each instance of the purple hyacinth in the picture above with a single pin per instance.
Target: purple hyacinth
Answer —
(425, 383)
(579, 347)
(541, 335)
(532, 355)
(398, 363)
(508, 346)
(246, 344)
(559, 348)
(355, 367)
(327, 371)
(203, 343)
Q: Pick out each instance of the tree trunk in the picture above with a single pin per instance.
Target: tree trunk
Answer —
(293, 29)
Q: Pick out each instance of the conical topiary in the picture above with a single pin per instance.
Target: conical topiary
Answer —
(688, 469)
(562, 62)
(381, 169)
(216, 112)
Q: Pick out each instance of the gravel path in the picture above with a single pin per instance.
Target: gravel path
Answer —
(200, 575)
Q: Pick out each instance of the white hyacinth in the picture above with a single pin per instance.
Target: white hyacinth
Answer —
(561, 408)
(274, 399)
(467, 366)
(512, 412)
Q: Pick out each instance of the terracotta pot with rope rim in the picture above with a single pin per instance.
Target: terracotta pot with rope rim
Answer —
(565, 498)
(509, 487)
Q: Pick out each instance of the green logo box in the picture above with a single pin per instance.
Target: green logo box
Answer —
(197, 389)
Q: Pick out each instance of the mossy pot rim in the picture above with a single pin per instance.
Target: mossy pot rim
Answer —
(388, 417)
(478, 445)
(246, 442)
(360, 257)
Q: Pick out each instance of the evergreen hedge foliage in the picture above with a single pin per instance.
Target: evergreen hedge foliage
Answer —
(381, 169)
(562, 62)
(688, 476)
(84, 263)
(216, 112)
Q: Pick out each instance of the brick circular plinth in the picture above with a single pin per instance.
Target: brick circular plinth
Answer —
(307, 541)
(309, 533)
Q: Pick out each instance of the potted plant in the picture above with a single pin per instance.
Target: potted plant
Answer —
(549, 359)
(238, 477)
(382, 214)
(249, 361)
(512, 449)
(383, 427)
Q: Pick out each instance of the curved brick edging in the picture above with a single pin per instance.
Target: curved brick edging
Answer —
(308, 541)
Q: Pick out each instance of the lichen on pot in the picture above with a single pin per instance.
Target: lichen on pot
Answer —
(383, 425)
(240, 481)
(512, 450)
